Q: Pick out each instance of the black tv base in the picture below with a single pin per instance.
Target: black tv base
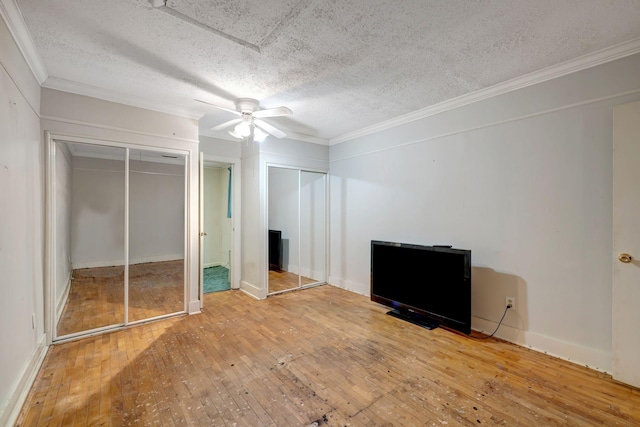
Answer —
(423, 322)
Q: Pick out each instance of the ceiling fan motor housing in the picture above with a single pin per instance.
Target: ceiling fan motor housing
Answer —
(247, 105)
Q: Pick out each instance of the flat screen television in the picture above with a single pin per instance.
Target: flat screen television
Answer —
(426, 285)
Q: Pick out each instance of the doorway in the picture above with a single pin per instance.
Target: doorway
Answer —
(118, 236)
(217, 226)
(219, 185)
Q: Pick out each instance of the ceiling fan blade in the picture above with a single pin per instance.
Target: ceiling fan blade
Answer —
(219, 107)
(273, 112)
(269, 129)
(226, 124)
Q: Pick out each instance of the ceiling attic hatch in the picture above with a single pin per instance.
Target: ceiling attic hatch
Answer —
(252, 27)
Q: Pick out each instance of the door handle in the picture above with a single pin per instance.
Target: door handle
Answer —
(626, 258)
(203, 233)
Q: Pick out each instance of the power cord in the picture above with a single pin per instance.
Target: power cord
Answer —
(499, 323)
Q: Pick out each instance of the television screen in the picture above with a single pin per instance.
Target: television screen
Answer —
(428, 285)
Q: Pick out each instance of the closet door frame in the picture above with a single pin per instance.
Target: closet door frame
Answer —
(326, 226)
(50, 140)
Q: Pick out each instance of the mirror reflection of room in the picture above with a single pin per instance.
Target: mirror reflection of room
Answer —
(313, 248)
(156, 234)
(296, 229)
(91, 241)
(89, 258)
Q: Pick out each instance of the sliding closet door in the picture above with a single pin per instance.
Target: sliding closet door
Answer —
(313, 247)
(89, 258)
(156, 269)
(284, 225)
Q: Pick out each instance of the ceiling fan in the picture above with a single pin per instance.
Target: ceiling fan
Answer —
(249, 124)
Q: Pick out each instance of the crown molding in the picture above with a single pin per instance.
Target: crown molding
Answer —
(121, 98)
(290, 135)
(306, 138)
(602, 56)
(12, 16)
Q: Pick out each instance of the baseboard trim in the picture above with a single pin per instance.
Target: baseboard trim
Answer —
(63, 299)
(213, 264)
(252, 290)
(311, 274)
(581, 355)
(349, 285)
(194, 307)
(18, 394)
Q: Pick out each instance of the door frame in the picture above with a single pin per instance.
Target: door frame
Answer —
(50, 304)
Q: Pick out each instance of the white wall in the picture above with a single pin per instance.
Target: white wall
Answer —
(97, 214)
(252, 260)
(221, 147)
(21, 232)
(63, 177)
(226, 223)
(156, 209)
(524, 180)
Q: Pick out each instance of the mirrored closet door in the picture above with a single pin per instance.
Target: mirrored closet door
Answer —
(313, 245)
(156, 234)
(119, 236)
(296, 229)
(89, 237)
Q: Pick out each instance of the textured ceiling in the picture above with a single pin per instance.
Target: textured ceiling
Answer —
(340, 65)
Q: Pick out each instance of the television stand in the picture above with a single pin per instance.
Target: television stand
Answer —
(423, 322)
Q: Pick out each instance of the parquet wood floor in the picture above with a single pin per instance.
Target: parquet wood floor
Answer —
(96, 295)
(322, 356)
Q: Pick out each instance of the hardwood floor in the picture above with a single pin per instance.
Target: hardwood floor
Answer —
(283, 280)
(96, 296)
(322, 355)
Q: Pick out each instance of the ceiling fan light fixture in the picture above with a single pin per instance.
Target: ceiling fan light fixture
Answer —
(259, 135)
(234, 134)
(243, 129)
(250, 125)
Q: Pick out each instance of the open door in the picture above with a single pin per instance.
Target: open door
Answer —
(626, 243)
(202, 233)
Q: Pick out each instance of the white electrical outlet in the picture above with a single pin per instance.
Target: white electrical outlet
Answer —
(511, 301)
